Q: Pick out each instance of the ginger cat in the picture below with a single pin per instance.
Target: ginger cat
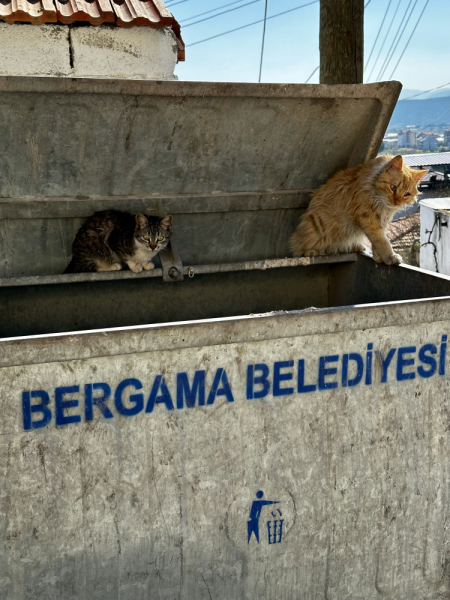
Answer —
(355, 203)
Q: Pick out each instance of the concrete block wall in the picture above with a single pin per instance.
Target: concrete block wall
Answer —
(101, 52)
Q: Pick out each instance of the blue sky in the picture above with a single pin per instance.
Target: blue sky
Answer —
(292, 41)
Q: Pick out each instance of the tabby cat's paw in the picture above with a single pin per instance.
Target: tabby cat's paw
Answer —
(148, 266)
(136, 268)
(393, 259)
(116, 267)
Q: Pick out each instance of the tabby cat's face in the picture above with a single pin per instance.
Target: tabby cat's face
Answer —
(152, 232)
(398, 183)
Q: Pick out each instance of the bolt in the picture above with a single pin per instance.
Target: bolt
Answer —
(174, 273)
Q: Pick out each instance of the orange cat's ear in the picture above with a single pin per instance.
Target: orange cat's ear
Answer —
(417, 175)
(395, 164)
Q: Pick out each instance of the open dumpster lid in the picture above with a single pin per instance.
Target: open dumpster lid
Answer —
(72, 137)
(234, 163)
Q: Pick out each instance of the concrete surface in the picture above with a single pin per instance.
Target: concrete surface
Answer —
(104, 51)
(34, 50)
(135, 53)
(156, 504)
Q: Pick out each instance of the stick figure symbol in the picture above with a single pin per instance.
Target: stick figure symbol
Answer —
(255, 513)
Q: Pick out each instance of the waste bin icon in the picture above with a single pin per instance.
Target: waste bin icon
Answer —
(275, 528)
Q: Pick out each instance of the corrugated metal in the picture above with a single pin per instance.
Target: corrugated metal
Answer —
(424, 160)
(124, 13)
(436, 203)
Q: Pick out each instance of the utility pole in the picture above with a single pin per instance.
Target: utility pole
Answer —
(341, 41)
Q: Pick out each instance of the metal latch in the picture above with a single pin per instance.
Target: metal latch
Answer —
(172, 266)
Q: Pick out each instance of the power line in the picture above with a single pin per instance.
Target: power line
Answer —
(263, 38)
(222, 13)
(385, 38)
(428, 91)
(174, 3)
(400, 37)
(378, 34)
(367, 3)
(316, 69)
(210, 11)
(254, 23)
(407, 43)
(394, 43)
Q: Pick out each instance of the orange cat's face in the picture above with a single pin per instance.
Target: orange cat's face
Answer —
(398, 183)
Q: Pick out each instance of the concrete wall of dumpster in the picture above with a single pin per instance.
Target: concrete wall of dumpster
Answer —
(248, 426)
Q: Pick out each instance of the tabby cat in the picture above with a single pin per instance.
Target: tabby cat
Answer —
(111, 239)
(355, 203)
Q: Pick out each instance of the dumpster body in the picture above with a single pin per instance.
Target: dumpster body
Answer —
(261, 427)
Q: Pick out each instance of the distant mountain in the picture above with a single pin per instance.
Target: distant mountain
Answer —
(434, 111)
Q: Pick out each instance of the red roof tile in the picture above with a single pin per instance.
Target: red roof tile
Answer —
(42, 11)
(125, 13)
(96, 12)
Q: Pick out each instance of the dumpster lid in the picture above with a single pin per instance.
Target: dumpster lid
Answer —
(122, 137)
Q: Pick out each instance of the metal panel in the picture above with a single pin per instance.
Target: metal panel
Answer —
(159, 503)
(40, 309)
(81, 137)
(237, 184)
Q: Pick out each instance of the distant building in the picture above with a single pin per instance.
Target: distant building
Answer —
(390, 142)
(407, 139)
(426, 142)
(446, 138)
(434, 180)
(440, 161)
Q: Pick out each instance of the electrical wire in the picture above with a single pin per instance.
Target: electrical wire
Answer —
(263, 38)
(439, 87)
(396, 37)
(378, 34)
(400, 37)
(316, 69)
(385, 38)
(407, 43)
(367, 3)
(254, 23)
(174, 3)
(222, 13)
(210, 11)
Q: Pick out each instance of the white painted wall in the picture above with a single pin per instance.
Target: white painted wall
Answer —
(101, 52)
(34, 50)
(435, 247)
(136, 53)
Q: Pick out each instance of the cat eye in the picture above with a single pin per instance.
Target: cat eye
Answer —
(394, 188)
(146, 237)
(160, 238)
(407, 194)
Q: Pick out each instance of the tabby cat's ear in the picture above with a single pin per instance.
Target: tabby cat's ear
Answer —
(167, 222)
(141, 221)
(395, 164)
(417, 175)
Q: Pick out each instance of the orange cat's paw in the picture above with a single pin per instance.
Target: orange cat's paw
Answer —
(311, 253)
(359, 248)
(394, 259)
